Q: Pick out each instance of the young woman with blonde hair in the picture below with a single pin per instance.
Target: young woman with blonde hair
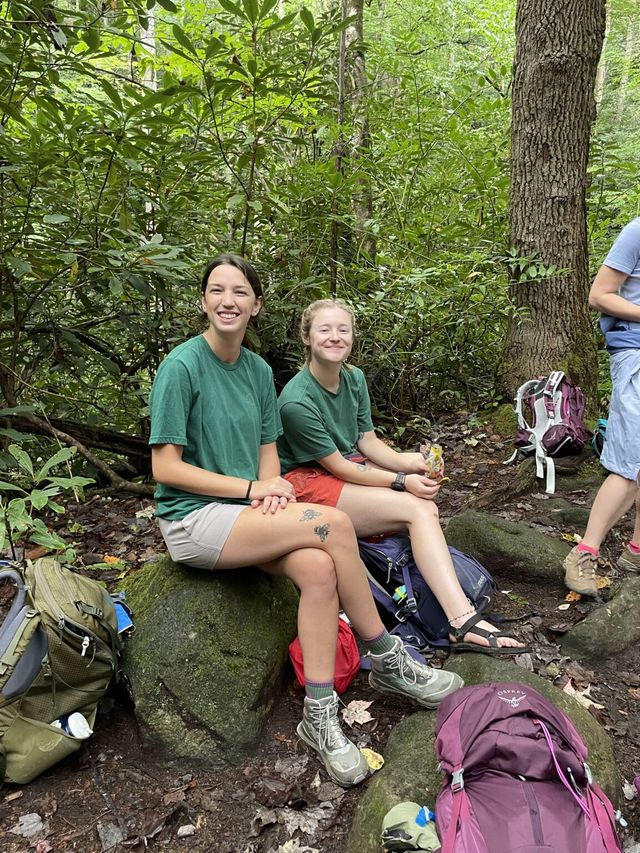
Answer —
(332, 456)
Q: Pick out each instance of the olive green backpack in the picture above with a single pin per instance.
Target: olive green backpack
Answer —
(59, 651)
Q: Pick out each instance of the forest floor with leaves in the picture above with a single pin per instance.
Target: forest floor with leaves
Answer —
(115, 795)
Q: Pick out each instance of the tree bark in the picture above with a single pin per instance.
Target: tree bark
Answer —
(558, 44)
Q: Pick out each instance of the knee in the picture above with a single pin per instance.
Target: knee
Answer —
(423, 510)
(338, 523)
(319, 574)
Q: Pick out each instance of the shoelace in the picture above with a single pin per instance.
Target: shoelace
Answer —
(326, 723)
(403, 663)
(587, 565)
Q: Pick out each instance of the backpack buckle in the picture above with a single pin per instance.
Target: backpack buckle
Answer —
(588, 773)
(412, 604)
(402, 614)
(457, 782)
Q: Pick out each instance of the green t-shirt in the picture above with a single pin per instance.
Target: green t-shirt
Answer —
(220, 413)
(317, 422)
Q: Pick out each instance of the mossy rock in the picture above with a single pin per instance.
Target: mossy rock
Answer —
(609, 629)
(410, 771)
(508, 548)
(589, 477)
(502, 419)
(564, 514)
(207, 657)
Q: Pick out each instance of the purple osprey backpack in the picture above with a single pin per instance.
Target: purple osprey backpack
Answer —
(516, 777)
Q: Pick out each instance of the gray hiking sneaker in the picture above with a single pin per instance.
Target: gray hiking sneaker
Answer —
(629, 561)
(320, 729)
(397, 672)
(580, 572)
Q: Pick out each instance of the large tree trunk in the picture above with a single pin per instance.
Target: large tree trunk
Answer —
(558, 44)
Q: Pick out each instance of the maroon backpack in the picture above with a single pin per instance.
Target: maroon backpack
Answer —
(516, 777)
(550, 414)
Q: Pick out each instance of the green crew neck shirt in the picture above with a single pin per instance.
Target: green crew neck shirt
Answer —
(317, 422)
(219, 413)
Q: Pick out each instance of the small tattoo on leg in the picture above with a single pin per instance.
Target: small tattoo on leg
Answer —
(322, 530)
(309, 515)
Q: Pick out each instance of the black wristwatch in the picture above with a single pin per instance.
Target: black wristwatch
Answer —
(399, 484)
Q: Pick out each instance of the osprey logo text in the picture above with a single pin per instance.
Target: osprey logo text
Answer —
(512, 697)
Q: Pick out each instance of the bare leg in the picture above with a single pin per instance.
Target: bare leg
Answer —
(257, 538)
(614, 498)
(374, 510)
(313, 572)
(636, 528)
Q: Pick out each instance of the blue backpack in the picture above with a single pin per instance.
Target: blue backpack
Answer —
(405, 602)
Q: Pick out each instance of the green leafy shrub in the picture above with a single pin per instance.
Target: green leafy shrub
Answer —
(36, 486)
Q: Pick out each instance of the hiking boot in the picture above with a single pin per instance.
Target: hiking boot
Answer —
(580, 572)
(629, 561)
(320, 729)
(397, 672)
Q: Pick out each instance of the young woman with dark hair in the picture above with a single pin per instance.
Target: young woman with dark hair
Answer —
(222, 504)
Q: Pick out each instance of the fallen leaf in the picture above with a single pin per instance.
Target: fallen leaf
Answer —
(305, 820)
(629, 790)
(581, 696)
(262, 817)
(173, 797)
(207, 800)
(571, 537)
(294, 846)
(147, 512)
(602, 582)
(110, 560)
(572, 596)
(14, 796)
(186, 830)
(328, 791)
(564, 606)
(37, 552)
(374, 759)
(292, 767)
(634, 692)
(43, 846)
(356, 712)
(29, 825)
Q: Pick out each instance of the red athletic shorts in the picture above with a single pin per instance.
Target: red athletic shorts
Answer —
(315, 485)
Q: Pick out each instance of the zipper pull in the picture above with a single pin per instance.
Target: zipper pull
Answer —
(60, 626)
(85, 646)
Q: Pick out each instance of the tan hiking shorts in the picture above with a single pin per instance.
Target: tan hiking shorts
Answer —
(198, 538)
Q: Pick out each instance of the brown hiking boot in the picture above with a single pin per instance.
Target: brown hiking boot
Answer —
(580, 572)
(629, 561)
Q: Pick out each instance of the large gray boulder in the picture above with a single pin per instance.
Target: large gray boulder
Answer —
(610, 628)
(507, 548)
(207, 657)
(410, 771)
